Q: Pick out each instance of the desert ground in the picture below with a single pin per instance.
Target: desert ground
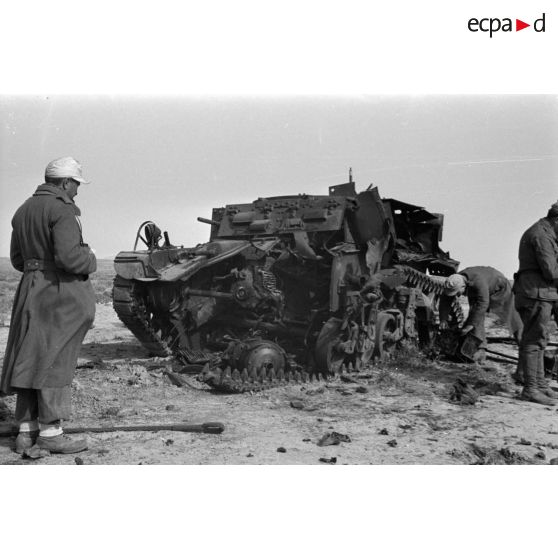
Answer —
(396, 413)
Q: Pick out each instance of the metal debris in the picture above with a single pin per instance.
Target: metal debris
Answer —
(333, 439)
(463, 394)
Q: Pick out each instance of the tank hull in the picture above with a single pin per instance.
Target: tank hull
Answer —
(296, 284)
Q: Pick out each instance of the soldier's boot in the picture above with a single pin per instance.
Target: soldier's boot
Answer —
(531, 391)
(542, 383)
(517, 376)
(62, 443)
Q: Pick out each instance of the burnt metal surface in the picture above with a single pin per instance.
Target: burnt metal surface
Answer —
(288, 288)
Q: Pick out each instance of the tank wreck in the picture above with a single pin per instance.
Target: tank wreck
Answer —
(288, 288)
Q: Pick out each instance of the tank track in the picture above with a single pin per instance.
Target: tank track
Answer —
(234, 381)
(132, 313)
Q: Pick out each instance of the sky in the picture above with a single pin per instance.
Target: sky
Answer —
(487, 162)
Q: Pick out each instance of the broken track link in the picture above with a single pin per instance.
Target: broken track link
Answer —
(132, 312)
(426, 283)
(430, 284)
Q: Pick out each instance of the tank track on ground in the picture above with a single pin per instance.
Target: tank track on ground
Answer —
(131, 311)
(235, 381)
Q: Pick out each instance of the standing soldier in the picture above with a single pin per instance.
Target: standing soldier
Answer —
(53, 308)
(487, 290)
(535, 299)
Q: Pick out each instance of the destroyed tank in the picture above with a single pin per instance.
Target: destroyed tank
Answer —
(287, 288)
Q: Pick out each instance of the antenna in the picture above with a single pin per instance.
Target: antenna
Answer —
(350, 174)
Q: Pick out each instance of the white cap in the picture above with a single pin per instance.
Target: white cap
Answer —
(455, 284)
(65, 167)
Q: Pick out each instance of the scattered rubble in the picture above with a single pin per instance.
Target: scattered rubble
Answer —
(35, 452)
(484, 387)
(333, 439)
(498, 456)
(463, 394)
(316, 391)
(176, 379)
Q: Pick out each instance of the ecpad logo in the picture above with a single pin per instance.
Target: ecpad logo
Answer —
(492, 25)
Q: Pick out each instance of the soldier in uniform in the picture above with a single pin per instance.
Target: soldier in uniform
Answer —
(53, 308)
(487, 290)
(536, 295)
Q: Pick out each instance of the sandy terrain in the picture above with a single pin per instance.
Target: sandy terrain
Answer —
(399, 414)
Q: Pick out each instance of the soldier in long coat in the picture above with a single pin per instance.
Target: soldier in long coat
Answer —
(53, 308)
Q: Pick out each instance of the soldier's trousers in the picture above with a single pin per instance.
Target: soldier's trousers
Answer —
(47, 405)
(536, 316)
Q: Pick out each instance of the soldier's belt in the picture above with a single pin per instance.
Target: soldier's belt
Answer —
(38, 265)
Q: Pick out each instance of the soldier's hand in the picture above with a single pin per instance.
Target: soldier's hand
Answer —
(466, 330)
(444, 325)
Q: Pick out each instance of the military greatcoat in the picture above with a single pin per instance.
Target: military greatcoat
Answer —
(54, 304)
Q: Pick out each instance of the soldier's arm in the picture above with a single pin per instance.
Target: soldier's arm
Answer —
(69, 252)
(16, 256)
(479, 301)
(444, 309)
(546, 257)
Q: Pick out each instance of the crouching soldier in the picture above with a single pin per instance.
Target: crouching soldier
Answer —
(487, 290)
